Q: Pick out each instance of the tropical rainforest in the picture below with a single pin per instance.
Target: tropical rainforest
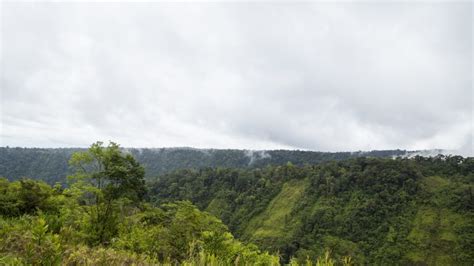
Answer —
(51, 165)
(235, 207)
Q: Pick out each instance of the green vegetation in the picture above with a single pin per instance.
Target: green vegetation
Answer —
(273, 222)
(51, 165)
(358, 211)
(440, 232)
(102, 218)
(376, 211)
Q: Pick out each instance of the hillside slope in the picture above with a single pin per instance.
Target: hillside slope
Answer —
(378, 211)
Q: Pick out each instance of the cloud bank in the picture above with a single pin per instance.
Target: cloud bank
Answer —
(318, 76)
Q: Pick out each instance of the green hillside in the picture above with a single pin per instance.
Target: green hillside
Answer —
(358, 211)
(438, 230)
(102, 218)
(273, 222)
(377, 211)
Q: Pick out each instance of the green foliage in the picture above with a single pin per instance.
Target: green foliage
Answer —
(101, 219)
(174, 233)
(114, 173)
(366, 208)
(51, 165)
(109, 178)
(236, 195)
(440, 233)
(358, 211)
(25, 196)
(83, 255)
(29, 241)
(273, 224)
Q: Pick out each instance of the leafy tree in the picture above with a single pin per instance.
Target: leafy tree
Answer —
(108, 176)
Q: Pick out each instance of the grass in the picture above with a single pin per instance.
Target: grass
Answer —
(434, 233)
(434, 236)
(273, 222)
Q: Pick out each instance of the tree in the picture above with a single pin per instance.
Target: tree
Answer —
(107, 176)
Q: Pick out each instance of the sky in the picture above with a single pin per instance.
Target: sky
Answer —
(326, 76)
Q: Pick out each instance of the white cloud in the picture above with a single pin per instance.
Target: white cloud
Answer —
(321, 76)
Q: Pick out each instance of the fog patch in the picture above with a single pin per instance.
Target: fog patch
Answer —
(436, 152)
(256, 155)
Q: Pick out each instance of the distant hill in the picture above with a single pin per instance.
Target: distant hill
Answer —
(51, 165)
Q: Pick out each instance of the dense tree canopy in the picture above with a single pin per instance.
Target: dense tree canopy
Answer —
(113, 173)
(359, 211)
(101, 219)
(374, 210)
(51, 165)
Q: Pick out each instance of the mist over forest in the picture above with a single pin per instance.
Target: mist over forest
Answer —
(316, 133)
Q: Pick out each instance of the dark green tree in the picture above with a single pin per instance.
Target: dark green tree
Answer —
(108, 177)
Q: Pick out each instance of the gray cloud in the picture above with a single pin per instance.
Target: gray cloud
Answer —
(321, 76)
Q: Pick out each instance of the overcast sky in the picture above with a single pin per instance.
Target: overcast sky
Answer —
(317, 76)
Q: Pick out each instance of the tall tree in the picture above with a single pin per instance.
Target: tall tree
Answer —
(108, 174)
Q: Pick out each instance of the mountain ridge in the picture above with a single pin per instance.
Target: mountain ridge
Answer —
(51, 164)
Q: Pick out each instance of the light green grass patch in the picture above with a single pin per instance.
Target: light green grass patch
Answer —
(273, 222)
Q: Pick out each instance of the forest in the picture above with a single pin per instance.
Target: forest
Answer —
(355, 210)
(374, 210)
(103, 218)
(51, 165)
